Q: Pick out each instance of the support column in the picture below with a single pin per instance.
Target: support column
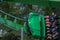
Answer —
(22, 34)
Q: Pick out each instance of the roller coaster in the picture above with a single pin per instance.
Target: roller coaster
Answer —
(35, 24)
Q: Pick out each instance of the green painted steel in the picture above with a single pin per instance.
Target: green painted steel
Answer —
(34, 24)
(44, 3)
(54, 0)
(37, 25)
(54, 4)
(43, 29)
(34, 2)
(11, 24)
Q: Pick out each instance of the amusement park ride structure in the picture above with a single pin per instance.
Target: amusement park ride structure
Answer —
(35, 22)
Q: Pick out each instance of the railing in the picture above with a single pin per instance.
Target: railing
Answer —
(11, 24)
(11, 15)
(14, 25)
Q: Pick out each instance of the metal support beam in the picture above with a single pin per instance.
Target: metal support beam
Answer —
(22, 34)
(44, 3)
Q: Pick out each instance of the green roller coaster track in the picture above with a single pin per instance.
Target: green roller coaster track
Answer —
(44, 3)
(32, 20)
(35, 22)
